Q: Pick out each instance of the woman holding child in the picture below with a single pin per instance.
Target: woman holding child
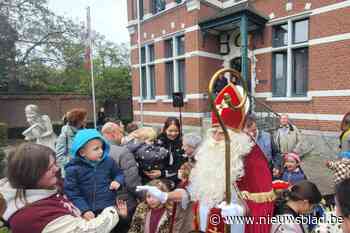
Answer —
(92, 177)
(33, 202)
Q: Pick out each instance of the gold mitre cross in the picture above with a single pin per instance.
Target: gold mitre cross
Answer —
(225, 103)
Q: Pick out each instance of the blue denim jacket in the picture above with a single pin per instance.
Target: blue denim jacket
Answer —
(264, 142)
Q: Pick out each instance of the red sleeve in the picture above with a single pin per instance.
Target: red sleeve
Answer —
(257, 175)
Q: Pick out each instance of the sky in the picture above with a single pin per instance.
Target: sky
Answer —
(108, 17)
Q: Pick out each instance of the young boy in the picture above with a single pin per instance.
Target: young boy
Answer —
(92, 177)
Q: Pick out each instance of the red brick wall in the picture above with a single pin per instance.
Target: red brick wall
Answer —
(263, 72)
(157, 24)
(330, 23)
(279, 7)
(160, 120)
(52, 105)
(135, 82)
(318, 105)
(329, 66)
(328, 63)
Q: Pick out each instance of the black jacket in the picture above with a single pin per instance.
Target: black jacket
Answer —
(175, 158)
(148, 157)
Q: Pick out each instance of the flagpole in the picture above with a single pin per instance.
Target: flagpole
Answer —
(140, 61)
(91, 65)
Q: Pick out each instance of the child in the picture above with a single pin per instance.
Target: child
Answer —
(292, 172)
(184, 174)
(151, 159)
(91, 176)
(183, 215)
(151, 215)
(340, 168)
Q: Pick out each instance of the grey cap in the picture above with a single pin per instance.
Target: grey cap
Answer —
(192, 139)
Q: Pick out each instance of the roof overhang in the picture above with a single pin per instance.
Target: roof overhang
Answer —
(230, 18)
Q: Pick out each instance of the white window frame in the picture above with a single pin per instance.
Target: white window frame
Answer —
(175, 60)
(147, 64)
(289, 48)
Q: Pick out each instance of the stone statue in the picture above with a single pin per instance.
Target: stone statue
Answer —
(40, 129)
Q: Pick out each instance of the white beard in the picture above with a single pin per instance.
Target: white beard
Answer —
(207, 178)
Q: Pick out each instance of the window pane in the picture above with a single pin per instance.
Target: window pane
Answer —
(151, 52)
(280, 35)
(280, 74)
(143, 55)
(169, 48)
(300, 72)
(169, 75)
(157, 6)
(182, 75)
(153, 81)
(144, 82)
(180, 40)
(301, 31)
(141, 8)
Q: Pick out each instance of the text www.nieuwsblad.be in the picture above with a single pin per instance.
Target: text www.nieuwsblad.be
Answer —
(281, 219)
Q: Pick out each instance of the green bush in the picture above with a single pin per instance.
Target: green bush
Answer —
(3, 134)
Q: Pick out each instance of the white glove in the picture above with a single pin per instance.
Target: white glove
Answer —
(154, 191)
(231, 209)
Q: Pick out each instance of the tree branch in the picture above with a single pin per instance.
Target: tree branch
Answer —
(35, 44)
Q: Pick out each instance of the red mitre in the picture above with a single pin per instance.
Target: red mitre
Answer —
(233, 118)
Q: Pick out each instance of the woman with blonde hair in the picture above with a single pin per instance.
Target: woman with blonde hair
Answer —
(144, 134)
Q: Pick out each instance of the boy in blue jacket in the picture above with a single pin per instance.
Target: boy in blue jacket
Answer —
(92, 177)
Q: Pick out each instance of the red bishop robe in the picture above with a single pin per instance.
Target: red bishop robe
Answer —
(256, 181)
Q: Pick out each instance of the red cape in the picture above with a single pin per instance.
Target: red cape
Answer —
(257, 179)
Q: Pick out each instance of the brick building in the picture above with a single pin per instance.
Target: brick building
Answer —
(294, 54)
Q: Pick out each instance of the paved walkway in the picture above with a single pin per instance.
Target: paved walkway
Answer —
(317, 172)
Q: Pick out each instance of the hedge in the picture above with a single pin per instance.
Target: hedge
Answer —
(3, 134)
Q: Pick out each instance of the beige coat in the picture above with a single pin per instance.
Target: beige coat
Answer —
(289, 141)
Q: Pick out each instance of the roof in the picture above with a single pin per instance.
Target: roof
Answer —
(229, 18)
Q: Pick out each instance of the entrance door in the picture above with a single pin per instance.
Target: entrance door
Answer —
(236, 63)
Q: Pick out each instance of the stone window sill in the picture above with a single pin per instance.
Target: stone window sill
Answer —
(149, 101)
(289, 99)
